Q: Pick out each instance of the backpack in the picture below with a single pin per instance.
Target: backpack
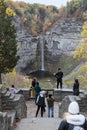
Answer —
(75, 127)
(40, 101)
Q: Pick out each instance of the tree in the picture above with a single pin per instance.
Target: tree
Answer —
(8, 43)
(81, 53)
(81, 50)
(73, 5)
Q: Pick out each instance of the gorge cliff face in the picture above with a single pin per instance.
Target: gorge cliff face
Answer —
(59, 42)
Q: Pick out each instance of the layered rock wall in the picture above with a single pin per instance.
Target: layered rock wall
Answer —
(61, 39)
(64, 36)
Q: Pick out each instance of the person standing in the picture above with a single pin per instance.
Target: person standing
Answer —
(33, 83)
(59, 76)
(40, 102)
(76, 87)
(37, 90)
(13, 89)
(73, 119)
(50, 102)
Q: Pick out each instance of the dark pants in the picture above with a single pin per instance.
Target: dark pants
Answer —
(42, 110)
(36, 97)
(59, 82)
(76, 92)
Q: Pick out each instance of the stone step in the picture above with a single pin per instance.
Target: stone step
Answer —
(6, 95)
(8, 99)
(12, 114)
(9, 120)
(3, 93)
(38, 124)
(12, 97)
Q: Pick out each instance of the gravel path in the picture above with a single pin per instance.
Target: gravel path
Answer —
(31, 109)
(32, 123)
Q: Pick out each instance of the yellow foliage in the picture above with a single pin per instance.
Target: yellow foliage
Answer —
(85, 26)
(16, 79)
(81, 50)
(10, 12)
(84, 32)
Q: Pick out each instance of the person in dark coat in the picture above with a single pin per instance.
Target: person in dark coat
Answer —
(40, 102)
(76, 87)
(59, 76)
(73, 120)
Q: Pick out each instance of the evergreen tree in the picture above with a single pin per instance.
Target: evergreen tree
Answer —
(8, 43)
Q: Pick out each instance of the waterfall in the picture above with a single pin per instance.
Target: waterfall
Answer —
(42, 54)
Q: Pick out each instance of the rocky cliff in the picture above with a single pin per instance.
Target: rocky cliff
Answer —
(59, 42)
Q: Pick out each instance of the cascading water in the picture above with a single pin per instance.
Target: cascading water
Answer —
(42, 73)
(42, 54)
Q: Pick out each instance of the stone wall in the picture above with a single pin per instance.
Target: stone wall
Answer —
(26, 92)
(13, 108)
(5, 121)
(59, 94)
(14, 102)
(81, 99)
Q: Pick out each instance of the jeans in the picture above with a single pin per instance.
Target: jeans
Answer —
(50, 111)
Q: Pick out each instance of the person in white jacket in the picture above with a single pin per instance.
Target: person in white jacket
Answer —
(73, 120)
(13, 89)
(40, 102)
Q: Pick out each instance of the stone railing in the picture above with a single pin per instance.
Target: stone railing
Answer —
(14, 102)
(81, 99)
(5, 121)
(59, 94)
(26, 92)
(13, 108)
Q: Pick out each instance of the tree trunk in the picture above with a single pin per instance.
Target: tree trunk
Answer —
(0, 79)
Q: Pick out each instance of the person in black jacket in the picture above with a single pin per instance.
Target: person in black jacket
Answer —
(59, 76)
(73, 119)
(76, 87)
(40, 102)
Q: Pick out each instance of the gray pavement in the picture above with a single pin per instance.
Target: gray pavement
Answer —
(32, 123)
(38, 124)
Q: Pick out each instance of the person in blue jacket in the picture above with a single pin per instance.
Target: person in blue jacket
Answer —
(37, 90)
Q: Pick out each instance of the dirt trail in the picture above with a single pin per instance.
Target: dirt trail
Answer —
(31, 109)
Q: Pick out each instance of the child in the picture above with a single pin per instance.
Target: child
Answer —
(50, 102)
(12, 89)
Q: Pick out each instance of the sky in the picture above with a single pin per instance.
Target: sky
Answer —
(57, 3)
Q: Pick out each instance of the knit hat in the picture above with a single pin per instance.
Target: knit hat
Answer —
(42, 92)
(73, 108)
